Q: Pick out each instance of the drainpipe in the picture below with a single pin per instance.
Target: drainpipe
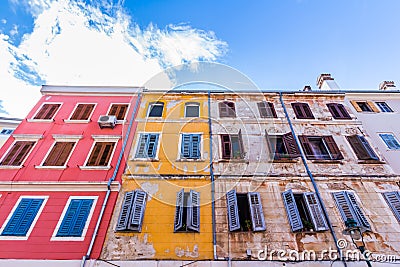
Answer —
(212, 179)
(324, 211)
(103, 207)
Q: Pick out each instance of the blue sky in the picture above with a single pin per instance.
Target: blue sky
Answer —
(282, 44)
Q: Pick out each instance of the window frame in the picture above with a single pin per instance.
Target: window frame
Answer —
(365, 146)
(304, 108)
(187, 104)
(128, 207)
(242, 152)
(394, 207)
(385, 108)
(228, 109)
(137, 144)
(34, 221)
(397, 146)
(155, 103)
(267, 106)
(54, 236)
(126, 113)
(180, 156)
(40, 108)
(70, 120)
(288, 142)
(325, 139)
(101, 139)
(340, 109)
(188, 222)
(20, 138)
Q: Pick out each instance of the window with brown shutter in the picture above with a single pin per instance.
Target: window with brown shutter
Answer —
(338, 111)
(101, 154)
(17, 153)
(82, 112)
(283, 146)
(227, 109)
(361, 148)
(266, 109)
(59, 154)
(302, 111)
(320, 147)
(47, 112)
(118, 110)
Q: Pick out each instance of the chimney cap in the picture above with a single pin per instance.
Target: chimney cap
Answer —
(307, 88)
(323, 77)
(385, 85)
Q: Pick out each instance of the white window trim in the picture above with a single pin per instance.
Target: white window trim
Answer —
(383, 101)
(180, 158)
(45, 198)
(197, 104)
(386, 146)
(37, 111)
(155, 103)
(101, 138)
(69, 120)
(126, 113)
(133, 157)
(85, 228)
(17, 138)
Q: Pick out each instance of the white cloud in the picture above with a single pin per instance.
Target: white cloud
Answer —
(75, 43)
(14, 30)
(4, 21)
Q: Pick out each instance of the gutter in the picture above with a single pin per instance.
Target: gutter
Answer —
(324, 211)
(103, 207)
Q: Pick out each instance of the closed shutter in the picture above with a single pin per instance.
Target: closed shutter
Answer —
(256, 211)
(345, 207)
(59, 154)
(18, 153)
(227, 109)
(82, 112)
(332, 147)
(356, 106)
(186, 145)
(292, 211)
(101, 154)
(47, 112)
(152, 145)
(315, 211)
(195, 150)
(190, 147)
(302, 111)
(139, 205)
(178, 221)
(141, 148)
(290, 145)
(125, 212)
(390, 141)
(232, 210)
(309, 152)
(75, 218)
(360, 214)
(393, 200)
(226, 146)
(193, 210)
(23, 217)
(338, 111)
(118, 110)
(266, 109)
(361, 147)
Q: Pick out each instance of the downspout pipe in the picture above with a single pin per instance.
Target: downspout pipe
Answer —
(103, 207)
(212, 178)
(303, 158)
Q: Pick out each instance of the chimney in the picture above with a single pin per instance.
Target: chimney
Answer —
(307, 88)
(387, 85)
(326, 82)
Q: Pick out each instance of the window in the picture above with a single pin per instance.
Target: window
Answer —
(47, 112)
(59, 154)
(192, 110)
(393, 200)
(75, 218)
(245, 211)
(190, 146)
(266, 110)
(155, 109)
(227, 109)
(283, 146)
(320, 147)
(361, 147)
(101, 154)
(364, 106)
(6, 131)
(147, 146)
(390, 141)
(302, 111)
(132, 211)
(18, 153)
(82, 112)
(232, 146)
(383, 106)
(187, 212)
(349, 208)
(21, 221)
(304, 211)
(338, 111)
(118, 110)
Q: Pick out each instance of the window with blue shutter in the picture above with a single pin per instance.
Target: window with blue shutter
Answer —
(75, 218)
(393, 199)
(361, 147)
(349, 208)
(190, 146)
(147, 146)
(187, 212)
(390, 141)
(23, 217)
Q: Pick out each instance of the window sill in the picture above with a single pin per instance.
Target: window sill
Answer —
(285, 160)
(89, 168)
(67, 238)
(327, 161)
(234, 160)
(40, 120)
(370, 161)
(10, 167)
(190, 160)
(145, 159)
(77, 121)
(51, 167)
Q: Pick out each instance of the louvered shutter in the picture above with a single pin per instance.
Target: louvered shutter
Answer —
(368, 148)
(256, 211)
(101, 154)
(358, 211)
(47, 112)
(271, 143)
(372, 105)
(186, 146)
(82, 112)
(390, 141)
(226, 146)
(302, 111)
(125, 212)
(23, 217)
(152, 145)
(195, 150)
(315, 211)
(345, 207)
(393, 200)
(343, 111)
(139, 205)
(141, 148)
(233, 211)
(332, 147)
(75, 218)
(223, 110)
(290, 145)
(306, 147)
(178, 221)
(18, 153)
(361, 147)
(118, 110)
(241, 146)
(266, 109)
(356, 106)
(59, 154)
(106, 155)
(292, 211)
(193, 210)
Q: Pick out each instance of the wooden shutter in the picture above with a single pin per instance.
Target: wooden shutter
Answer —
(332, 147)
(186, 146)
(193, 211)
(345, 207)
(138, 207)
(315, 211)
(390, 141)
(361, 147)
(118, 110)
(125, 212)
(232, 210)
(75, 218)
(195, 149)
(290, 145)
(338, 111)
(152, 143)
(302, 111)
(292, 211)
(266, 109)
(358, 211)
(226, 146)
(372, 105)
(308, 151)
(227, 109)
(23, 217)
(256, 211)
(178, 221)
(59, 154)
(47, 112)
(241, 146)
(101, 154)
(356, 106)
(82, 112)
(18, 153)
(141, 148)
(393, 200)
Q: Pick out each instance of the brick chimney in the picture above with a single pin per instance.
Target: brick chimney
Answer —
(387, 85)
(326, 82)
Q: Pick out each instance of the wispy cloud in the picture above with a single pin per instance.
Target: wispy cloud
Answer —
(73, 42)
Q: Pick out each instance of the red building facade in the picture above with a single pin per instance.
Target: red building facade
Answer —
(60, 172)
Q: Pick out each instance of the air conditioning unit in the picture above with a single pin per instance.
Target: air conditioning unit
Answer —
(107, 121)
